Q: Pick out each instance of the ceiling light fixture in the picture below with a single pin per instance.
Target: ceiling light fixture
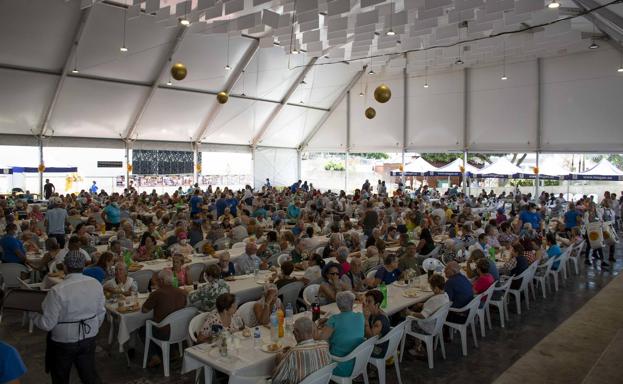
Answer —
(361, 94)
(459, 61)
(426, 85)
(184, 20)
(75, 70)
(390, 33)
(295, 51)
(169, 82)
(371, 72)
(593, 45)
(553, 4)
(123, 48)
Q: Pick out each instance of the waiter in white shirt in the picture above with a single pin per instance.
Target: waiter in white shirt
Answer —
(73, 312)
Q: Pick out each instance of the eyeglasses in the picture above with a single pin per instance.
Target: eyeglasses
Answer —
(333, 273)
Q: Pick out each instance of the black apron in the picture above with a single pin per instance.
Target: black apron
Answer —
(83, 330)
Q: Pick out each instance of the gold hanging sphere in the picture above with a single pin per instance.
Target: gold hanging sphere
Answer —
(222, 97)
(382, 93)
(370, 113)
(178, 71)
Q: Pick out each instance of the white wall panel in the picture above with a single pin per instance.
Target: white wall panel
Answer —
(291, 126)
(270, 73)
(91, 108)
(174, 115)
(332, 135)
(324, 84)
(277, 164)
(583, 102)
(385, 131)
(435, 114)
(502, 113)
(24, 100)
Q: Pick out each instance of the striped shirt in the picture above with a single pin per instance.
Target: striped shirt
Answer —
(301, 361)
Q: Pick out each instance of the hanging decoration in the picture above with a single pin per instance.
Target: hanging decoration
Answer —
(535, 170)
(179, 71)
(370, 113)
(382, 93)
(462, 169)
(129, 167)
(401, 167)
(222, 97)
(41, 168)
(198, 168)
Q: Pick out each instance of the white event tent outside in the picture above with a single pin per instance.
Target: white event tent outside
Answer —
(454, 169)
(418, 167)
(604, 170)
(501, 169)
(65, 82)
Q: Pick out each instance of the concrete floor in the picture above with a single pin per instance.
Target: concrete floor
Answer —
(498, 351)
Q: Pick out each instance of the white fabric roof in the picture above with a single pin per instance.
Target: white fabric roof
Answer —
(603, 168)
(501, 168)
(417, 167)
(455, 167)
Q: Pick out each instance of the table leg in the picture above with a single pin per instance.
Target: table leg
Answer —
(207, 374)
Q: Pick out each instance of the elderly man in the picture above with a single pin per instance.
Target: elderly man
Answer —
(334, 243)
(342, 259)
(163, 301)
(410, 259)
(122, 283)
(459, 290)
(247, 262)
(306, 357)
(55, 220)
(238, 232)
(73, 312)
(72, 245)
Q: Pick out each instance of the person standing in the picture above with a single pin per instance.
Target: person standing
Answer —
(195, 203)
(370, 219)
(73, 312)
(48, 189)
(112, 214)
(55, 219)
(94, 188)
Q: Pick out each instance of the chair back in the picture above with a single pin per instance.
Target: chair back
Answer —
(240, 244)
(440, 317)
(310, 293)
(547, 267)
(195, 270)
(393, 339)
(435, 252)
(273, 260)
(319, 250)
(321, 376)
(523, 277)
(24, 300)
(245, 311)
(23, 284)
(12, 273)
(503, 288)
(361, 354)
(283, 258)
(195, 325)
(487, 295)
(289, 293)
(371, 273)
(142, 279)
(199, 245)
(473, 307)
(178, 321)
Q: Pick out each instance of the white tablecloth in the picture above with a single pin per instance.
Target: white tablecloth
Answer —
(128, 322)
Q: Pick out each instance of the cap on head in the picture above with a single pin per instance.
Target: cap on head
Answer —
(75, 260)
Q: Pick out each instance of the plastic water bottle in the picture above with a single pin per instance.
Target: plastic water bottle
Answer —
(274, 325)
(256, 269)
(257, 337)
(289, 317)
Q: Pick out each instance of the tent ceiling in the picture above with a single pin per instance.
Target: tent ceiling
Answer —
(37, 37)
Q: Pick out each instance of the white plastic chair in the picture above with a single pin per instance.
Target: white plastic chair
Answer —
(12, 273)
(178, 323)
(436, 336)
(289, 293)
(310, 293)
(195, 325)
(199, 246)
(142, 279)
(435, 252)
(393, 338)
(560, 271)
(502, 303)
(33, 287)
(525, 278)
(574, 255)
(483, 309)
(541, 275)
(471, 308)
(321, 376)
(195, 270)
(283, 258)
(245, 311)
(361, 355)
(371, 273)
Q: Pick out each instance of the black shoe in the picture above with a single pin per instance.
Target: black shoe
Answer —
(604, 264)
(587, 262)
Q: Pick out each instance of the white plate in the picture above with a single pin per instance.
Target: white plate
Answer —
(410, 293)
(400, 284)
(261, 281)
(265, 348)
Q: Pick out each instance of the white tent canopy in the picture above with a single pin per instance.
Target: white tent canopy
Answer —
(454, 169)
(418, 167)
(547, 170)
(502, 169)
(604, 170)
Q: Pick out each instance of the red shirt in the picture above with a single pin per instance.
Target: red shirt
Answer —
(483, 283)
(345, 268)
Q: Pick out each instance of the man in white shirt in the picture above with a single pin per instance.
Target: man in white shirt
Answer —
(73, 312)
(247, 261)
(72, 245)
(55, 220)
(439, 212)
(238, 232)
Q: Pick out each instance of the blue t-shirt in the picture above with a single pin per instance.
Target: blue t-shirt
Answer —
(233, 206)
(555, 252)
(95, 272)
(387, 277)
(532, 218)
(220, 204)
(113, 214)
(11, 365)
(571, 219)
(93, 189)
(348, 333)
(459, 290)
(195, 204)
(10, 245)
(493, 270)
(293, 211)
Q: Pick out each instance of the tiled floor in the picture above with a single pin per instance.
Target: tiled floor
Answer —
(498, 351)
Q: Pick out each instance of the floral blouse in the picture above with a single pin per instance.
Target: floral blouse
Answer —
(213, 322)
(204, 298)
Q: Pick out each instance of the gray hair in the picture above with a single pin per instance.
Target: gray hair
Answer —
(342, 253)
(304, 326)
(269, 286)
(345, 301)
(120, 265)
(166, 275)
(224, 255)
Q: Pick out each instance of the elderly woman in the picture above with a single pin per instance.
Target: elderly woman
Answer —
(179, 271)
(147, 249)
(344, 331)
(205, 297)
(260, 315)
(224, 317)
(101, 270)
(182, 245)
(313, 272)
(356, 275)
(123, 240)
(226, 267)
(122, 283)
(342, 259)
(331, 283)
